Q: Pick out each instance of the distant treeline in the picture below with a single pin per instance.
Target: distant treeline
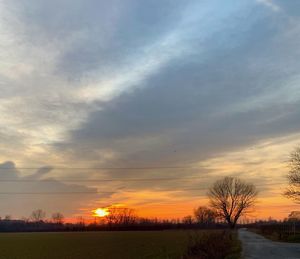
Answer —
(127, 219)
(11, 225)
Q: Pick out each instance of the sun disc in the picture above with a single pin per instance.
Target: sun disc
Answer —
(101, 212)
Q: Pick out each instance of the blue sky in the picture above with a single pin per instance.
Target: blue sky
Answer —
(207, 85)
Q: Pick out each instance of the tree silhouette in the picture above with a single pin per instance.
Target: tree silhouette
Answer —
(58, 218)
(231, 198)
(38, 215)
(205, 215)
(121, 216)
(293, 191)
(188, 220)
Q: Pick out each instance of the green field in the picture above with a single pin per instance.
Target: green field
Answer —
(86, 245)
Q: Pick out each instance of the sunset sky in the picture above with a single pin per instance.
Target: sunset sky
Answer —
(127, 91)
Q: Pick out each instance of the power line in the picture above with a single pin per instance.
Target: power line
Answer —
(119, 179)
(104, 192)
(51, 193)
(102, 180)
(98, 168)
(133, 180)
(93, 192)
(114, 180)
(71, 193)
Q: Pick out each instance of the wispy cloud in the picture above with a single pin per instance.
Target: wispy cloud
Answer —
(270, 4)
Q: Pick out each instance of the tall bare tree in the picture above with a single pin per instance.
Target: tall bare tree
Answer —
(293, 191)
(232, 198)
(38, 215)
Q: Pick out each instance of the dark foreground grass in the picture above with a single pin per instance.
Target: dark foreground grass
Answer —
(86, 245)
(117, 245)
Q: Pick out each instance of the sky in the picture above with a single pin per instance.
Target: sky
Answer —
(124, 90)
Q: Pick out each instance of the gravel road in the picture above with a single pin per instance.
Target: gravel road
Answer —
(257, 247)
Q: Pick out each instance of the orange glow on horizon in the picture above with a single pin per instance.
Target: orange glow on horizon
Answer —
(276, 207)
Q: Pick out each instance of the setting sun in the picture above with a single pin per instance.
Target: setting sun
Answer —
(100, 212)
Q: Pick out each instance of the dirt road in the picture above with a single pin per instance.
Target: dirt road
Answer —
(257, 247)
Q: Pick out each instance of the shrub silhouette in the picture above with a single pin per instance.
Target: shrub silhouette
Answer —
(212, 245)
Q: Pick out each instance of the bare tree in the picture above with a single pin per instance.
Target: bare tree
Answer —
(187, 220)
(127, 216)
(80, 221)
(294, 216)
(121, 216)
(232, 198)
(293, 191)
(205, 215)
(38, 215)
(58, 218)
(7, 217)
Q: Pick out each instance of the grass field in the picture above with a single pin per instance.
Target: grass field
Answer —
(86, 245)
(171, 244)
